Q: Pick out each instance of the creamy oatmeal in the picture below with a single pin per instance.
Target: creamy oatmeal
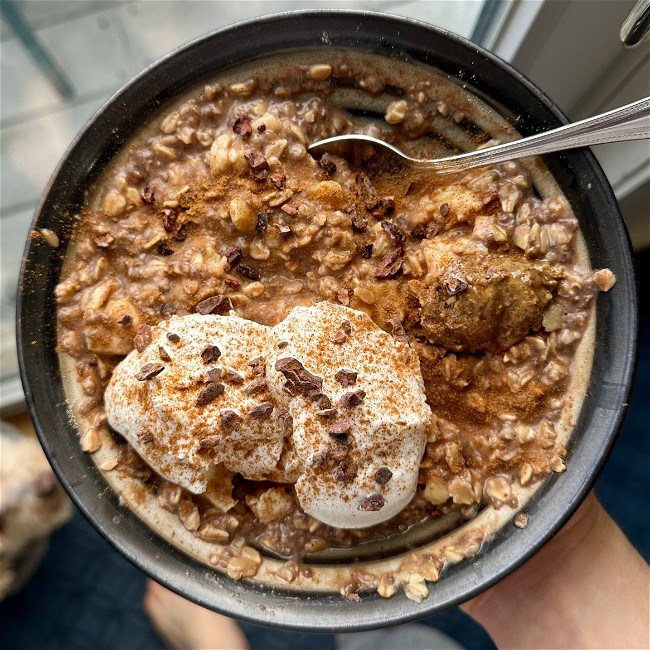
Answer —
(219, 214)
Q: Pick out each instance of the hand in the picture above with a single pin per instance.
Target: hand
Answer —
(586, 588)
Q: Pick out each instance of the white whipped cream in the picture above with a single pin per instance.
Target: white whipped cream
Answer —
(385, 437)
(350, 433)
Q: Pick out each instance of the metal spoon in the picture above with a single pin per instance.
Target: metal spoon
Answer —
(630, 122)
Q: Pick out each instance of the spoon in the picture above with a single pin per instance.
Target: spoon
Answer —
(630, 122)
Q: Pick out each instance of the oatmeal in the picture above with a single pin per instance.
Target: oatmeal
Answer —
(218, 214)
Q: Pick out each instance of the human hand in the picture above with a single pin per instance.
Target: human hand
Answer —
(586, 588)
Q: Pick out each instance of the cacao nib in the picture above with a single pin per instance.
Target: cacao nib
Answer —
(262, 224)
(209, 394)
(149, 371)
(373, 503)
(258, 365)
(214, 305)
(233, 255)
(366, 250)
(248, 272)
(383, 475)
(230, 421)
(286, 420)
(242, 127)
(142, 338)
(353, 398)
(346, 377)
(298, 379)
(346, 471)
(210, 354)
(262, 411)
(390, 264)
(328, 164)
(394, 231)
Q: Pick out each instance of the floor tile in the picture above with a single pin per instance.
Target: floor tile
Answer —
(31, 151)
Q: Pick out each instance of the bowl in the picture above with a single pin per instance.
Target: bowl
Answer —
(460, 63)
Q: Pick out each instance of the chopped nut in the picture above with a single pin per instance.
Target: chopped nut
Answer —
(273, 504)
(109, 464)
(604, 279)
(50, 237)
(211, 533)
(169, 496)
(525, 474)
(327, 413)
(416, 588)
(163, 354)
(90, 441)
(244, 565)
(319, 72)
(387, 586)
(520, 520)
(189, 516)
(174, 338)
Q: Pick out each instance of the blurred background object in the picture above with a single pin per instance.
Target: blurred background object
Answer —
(32, 506)
(60, 61)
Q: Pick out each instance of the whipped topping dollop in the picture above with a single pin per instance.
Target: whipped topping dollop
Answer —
(325, 400)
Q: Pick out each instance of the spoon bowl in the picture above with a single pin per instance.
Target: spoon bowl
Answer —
(629, 122)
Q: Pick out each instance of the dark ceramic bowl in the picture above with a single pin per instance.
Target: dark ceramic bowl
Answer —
(577, 174)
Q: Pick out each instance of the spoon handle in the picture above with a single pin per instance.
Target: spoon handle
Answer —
(630, 122)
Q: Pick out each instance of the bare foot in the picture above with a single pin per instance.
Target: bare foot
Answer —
(186, 626)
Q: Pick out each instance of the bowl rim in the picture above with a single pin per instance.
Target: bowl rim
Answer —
(616, 355)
